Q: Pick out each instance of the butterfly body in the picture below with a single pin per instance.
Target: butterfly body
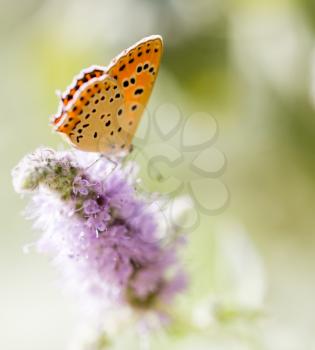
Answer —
(101, 109)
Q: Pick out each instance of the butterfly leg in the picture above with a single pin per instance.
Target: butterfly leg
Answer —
(101, 156)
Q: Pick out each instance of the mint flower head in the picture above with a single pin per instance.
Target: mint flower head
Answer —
(103, 234)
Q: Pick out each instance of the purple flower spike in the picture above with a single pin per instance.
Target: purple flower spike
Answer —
(91, 207)
(99, 229)
(80, 186)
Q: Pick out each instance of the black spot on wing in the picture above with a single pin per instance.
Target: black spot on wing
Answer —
(139, 91)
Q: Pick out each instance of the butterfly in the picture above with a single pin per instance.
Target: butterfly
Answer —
(101, 109)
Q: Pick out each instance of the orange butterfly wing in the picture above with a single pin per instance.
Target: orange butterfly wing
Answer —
(102, 108)
(135, 70)
(90, 121)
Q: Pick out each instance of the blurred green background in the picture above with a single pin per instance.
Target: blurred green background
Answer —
(251, 65)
